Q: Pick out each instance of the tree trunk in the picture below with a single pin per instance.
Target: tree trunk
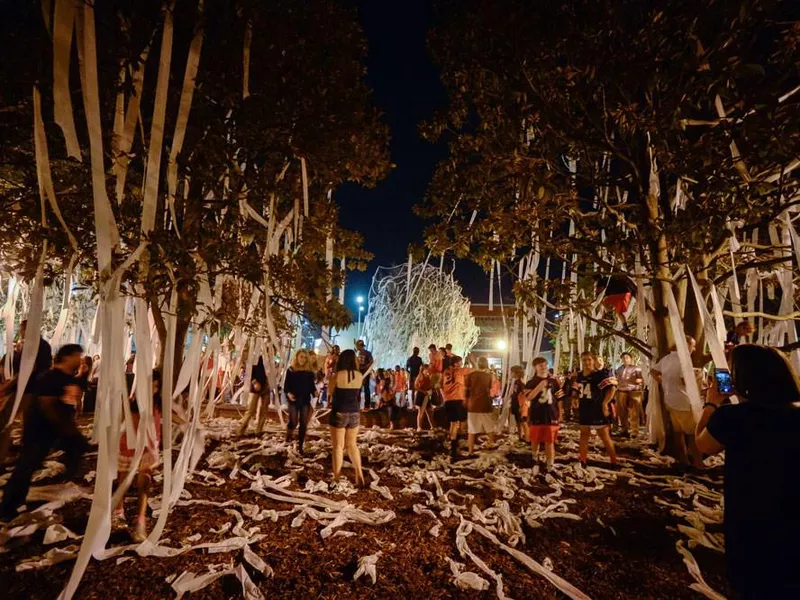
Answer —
(659, 259)
(161, 329)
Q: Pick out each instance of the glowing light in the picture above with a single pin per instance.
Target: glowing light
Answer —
(360, 308)
(360, 299)
(501, 345)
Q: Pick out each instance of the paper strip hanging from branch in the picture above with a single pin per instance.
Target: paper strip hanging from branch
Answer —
(187, 93)
(408, 279)
(167, 377)
(125, 141)
(304, 176)
(712, 334)
(491, 287)
(107, 419)
(687, 371)
(64, 21)
(55, 341)
(153, 171)
(248, 39)
(8, 312)
(105, 224)
(30, 346)
(43, 174)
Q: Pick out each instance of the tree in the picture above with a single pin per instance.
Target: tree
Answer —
(220, 121)
(657, 132)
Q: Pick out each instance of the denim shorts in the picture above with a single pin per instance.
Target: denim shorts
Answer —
(343, 420)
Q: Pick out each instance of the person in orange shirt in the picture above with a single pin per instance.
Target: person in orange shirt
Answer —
(455, 393)
(496, 389)
(400, 386)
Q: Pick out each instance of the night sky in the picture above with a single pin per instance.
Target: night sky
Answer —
(408, 91)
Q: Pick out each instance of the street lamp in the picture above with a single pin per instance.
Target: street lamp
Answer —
(360, 299)
(360, 310)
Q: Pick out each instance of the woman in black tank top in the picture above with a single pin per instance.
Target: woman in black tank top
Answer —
(345, 414)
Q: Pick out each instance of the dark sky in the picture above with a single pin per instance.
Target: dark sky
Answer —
(408, 91)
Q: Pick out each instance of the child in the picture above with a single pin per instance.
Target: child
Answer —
(148, 461)
(544, 393)
(517, 400)
(400, 386)
(592, 392)
(387, 397)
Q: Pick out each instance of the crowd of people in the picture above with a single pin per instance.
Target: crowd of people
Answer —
(760, 432)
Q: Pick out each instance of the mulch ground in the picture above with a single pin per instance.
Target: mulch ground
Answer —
(623, 546)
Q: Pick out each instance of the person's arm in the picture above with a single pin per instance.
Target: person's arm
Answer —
(289, 385)
(49, 406)
(575, 394)
(657, 375)
(530, 394)
(312, 385)
(560, 397)
(367, 374)
(707, 443)
(608, 397)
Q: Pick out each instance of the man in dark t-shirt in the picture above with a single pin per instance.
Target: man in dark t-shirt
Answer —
(413, 366)
(544, 395)
(48, 419)
(43, 361)
(364, 358)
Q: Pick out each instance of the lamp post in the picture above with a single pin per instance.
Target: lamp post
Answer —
(360, 300)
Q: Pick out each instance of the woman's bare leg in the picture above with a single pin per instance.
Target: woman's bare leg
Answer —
(337, 452)
(605, 436)
(351, 443)
(583, 446)
(117, 510)
(549, 454)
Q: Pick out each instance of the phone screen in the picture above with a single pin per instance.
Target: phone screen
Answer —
(724, 383)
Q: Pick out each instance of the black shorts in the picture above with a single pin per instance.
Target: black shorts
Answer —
(515, 409)
(419, 398)
(455, 410)
(591, 413)
(342, 420)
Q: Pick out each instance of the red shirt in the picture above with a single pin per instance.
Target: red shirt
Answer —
(436, 362)
(423, 383)
(400, 381)
(454, 385)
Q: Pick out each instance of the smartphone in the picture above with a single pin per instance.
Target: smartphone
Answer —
(724, 382)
